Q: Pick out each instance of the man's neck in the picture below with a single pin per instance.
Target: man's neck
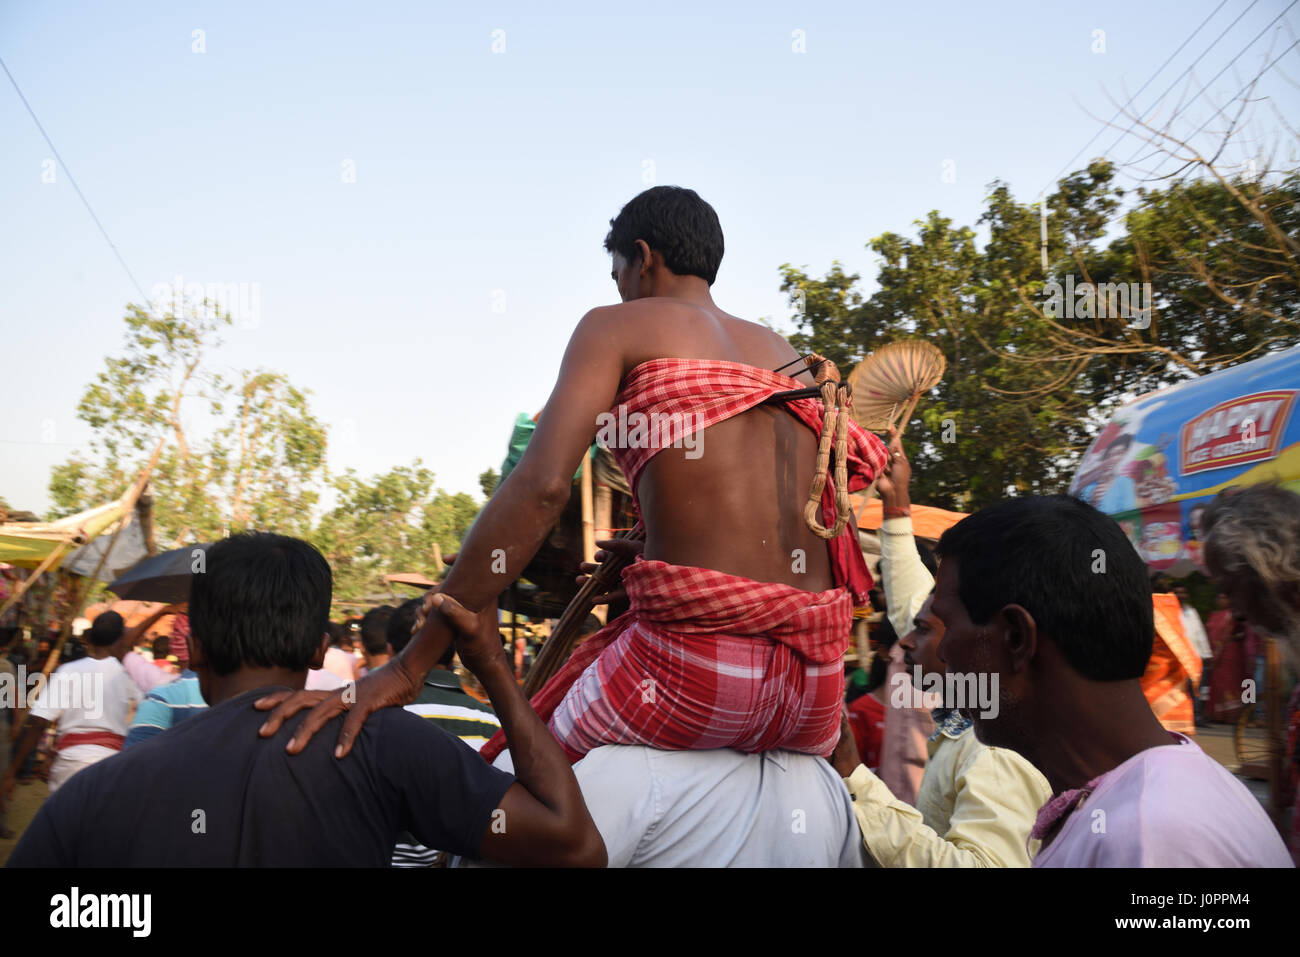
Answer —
(225, 687)
(690, 288)
(1093, 727)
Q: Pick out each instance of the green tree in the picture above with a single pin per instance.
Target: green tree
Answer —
(447, 518)
(388, 524)
(1025, 390)
(258, 465)
(138, 399)
(269, 458)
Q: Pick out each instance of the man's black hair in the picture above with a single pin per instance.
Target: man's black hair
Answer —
(674, 222)
(927, 557)
(335, 630)
(374, 629)
(400, 623)
(1071, 567)
(885, 635)
(879, 672)
(106, 629)
(262, 600)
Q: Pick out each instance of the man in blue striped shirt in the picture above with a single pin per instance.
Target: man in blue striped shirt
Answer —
(165, 706)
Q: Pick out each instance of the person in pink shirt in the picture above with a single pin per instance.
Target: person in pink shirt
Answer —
(908, 725)
(1047, 597)
(338, 661)
(146, 675)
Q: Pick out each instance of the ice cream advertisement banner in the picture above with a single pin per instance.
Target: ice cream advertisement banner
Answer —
(1163, 456)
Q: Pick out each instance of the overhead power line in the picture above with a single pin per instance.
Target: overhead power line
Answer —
(1159, 70)
(1201, 92)
(144, 300)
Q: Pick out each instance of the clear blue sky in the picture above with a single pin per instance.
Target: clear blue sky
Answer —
(479, 171)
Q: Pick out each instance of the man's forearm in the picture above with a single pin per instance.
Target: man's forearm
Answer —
(906, 581)
(31, 736)
(133, 635)
(895, 833)
(540, 763)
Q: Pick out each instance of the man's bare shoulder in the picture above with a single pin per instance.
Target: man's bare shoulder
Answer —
(663, 327)
(650, 309)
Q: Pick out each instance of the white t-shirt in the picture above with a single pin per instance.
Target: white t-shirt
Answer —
(717, 808)
(339, 662)
(322, 679)
(1195, 631)
(90, 694)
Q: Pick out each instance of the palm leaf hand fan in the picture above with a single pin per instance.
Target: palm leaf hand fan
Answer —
(892, 380)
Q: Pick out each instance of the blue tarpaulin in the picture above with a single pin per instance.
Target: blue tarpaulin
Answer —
(1164, 455)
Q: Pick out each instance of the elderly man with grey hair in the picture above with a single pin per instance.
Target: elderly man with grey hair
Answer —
(1252, 549)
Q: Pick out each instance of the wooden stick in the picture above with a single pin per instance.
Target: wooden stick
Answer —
(588, 516)
(901, 422)
(30, 580)
(907, 416)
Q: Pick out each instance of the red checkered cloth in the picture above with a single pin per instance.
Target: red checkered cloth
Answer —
(703, 659)
(706, 660)
(703, 392)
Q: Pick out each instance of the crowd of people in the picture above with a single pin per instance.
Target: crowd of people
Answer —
(708, 724)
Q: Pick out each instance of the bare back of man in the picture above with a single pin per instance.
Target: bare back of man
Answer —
(734, 504)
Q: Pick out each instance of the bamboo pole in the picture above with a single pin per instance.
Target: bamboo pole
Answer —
(604, 511)
(76, 606)
(31, 579)
(588, 521)
(862, 642)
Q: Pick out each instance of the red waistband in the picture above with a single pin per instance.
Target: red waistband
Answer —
(105, 739)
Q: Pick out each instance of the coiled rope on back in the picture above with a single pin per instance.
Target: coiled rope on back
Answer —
(835, 402)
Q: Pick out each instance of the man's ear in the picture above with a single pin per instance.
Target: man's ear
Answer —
(1019, 637)
(643, 250)
(318, 659)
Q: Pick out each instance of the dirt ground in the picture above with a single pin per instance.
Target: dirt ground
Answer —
(23, 806)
